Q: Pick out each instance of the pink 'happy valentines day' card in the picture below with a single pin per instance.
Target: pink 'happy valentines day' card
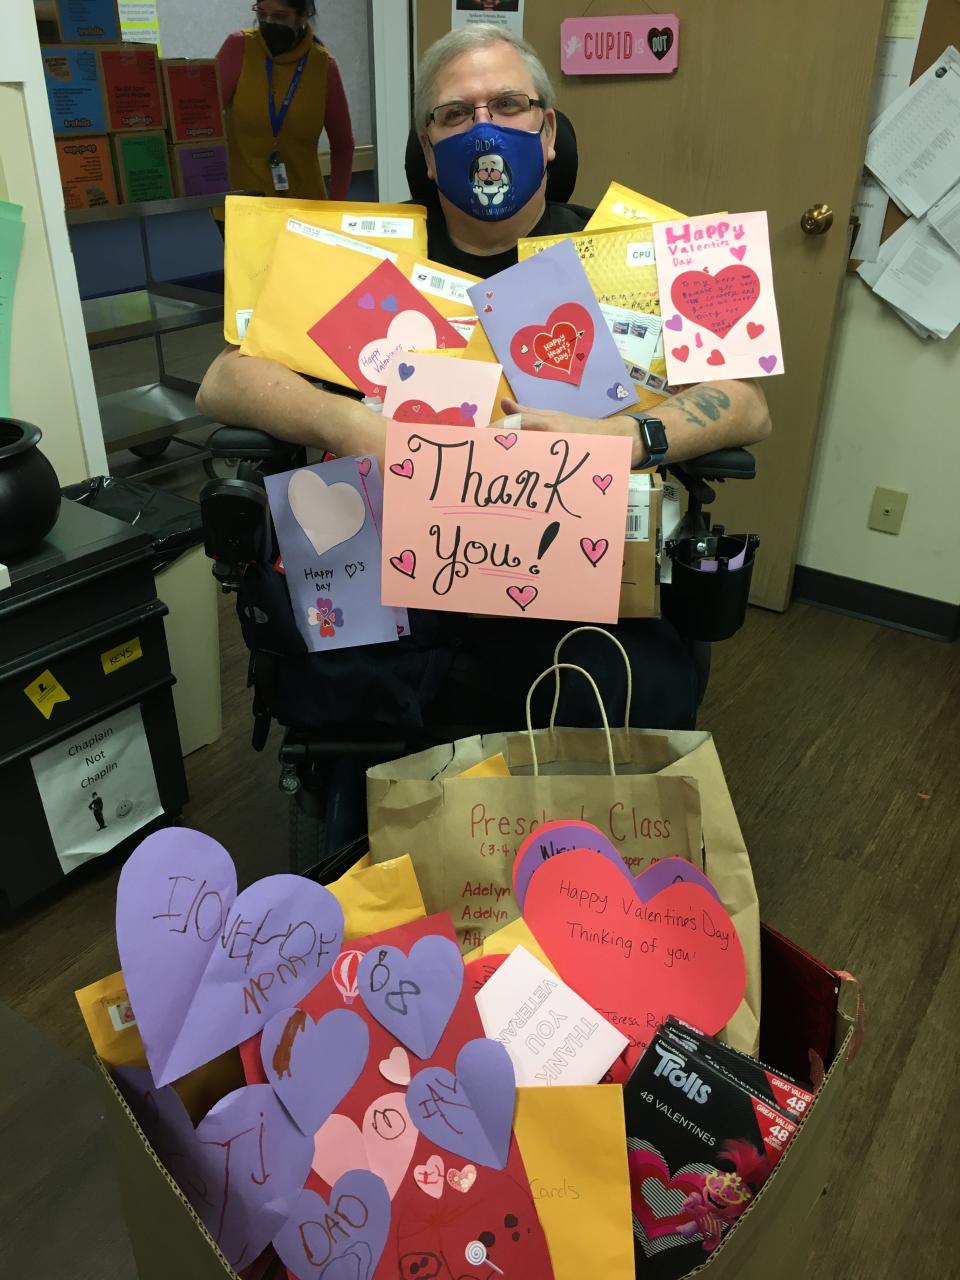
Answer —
(524, 524)
(381, 317)
(431, 389)
(717, 299)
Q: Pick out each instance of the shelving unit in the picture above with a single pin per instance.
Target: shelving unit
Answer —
(147, 418)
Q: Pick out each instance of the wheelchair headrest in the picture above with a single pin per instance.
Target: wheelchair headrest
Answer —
(561, 173)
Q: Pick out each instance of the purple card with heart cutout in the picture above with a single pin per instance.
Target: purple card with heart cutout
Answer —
(205, 968)
(328, 519)
(548, 332)
(341, 1238)
(551, 838)
(471, 1112)
(313, 1065)
(242, 1168)
(413, 995)
(668, 871)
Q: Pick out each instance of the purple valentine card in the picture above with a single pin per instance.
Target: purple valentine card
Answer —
(328, 519)
(549, 334)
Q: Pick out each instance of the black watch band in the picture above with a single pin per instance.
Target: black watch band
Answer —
(653, 438)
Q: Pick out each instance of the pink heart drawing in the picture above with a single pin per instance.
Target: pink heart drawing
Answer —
(395, 1067)
(675, 323)
(404, 468)
(429, 1177)
(363, 466)
(490, 294)
(603, 483)
(754, 330)
(716, 357)
(507, 441)
(739, 252)
(462, 1179)
(594, 550)
(523, 597)
(680, 353)
(384, 1144)
(768, 363)
(368, 302)
(405, 563)
(487, 309)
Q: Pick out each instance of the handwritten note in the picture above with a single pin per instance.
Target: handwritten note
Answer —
(525, 524)
(553, 1037)
(205, 968)
(716, 297)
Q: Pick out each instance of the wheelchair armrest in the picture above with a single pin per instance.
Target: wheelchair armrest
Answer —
(251, 445)
(721, 464)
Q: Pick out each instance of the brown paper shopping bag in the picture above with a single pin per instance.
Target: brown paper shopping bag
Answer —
(653, 792)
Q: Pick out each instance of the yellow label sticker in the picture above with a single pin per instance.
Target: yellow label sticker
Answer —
(121, 656)
(45, 692)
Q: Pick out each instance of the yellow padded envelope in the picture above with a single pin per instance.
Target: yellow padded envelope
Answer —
(312, 270)
(574, 1147)
(253, 224)
(621, 207)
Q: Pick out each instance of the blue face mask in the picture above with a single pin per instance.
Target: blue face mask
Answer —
(490, 172)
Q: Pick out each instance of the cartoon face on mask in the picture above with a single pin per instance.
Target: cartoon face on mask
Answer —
(490, 176)
(491, 171)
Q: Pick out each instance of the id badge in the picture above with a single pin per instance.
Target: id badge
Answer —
(279, 171)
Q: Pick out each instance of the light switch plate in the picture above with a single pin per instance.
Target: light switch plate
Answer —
(886, 510)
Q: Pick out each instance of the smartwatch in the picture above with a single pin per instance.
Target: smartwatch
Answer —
(653, 438)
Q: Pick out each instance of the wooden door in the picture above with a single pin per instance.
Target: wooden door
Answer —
(768, 110)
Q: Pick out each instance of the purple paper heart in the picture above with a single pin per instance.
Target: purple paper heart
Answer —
(471, 1113)
(367, 301)
(675, 323)
(468, 411)
(668, 871)
(768, 363)
(313, 1065)
(206, 969)
(389, 303)
(339, 1239)
(405, 371)
(617, 392)
(413, 995)
(556, 837)
(242, 1168)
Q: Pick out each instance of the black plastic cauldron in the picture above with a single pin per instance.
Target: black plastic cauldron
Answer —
(29, 490)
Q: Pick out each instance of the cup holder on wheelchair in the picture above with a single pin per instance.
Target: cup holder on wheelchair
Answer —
(710, 582)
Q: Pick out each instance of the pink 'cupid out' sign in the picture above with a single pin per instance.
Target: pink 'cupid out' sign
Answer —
(645, 44)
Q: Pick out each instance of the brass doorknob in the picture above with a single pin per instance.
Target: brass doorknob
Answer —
(816, 220)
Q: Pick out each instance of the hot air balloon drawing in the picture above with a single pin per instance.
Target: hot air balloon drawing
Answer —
(344, 973)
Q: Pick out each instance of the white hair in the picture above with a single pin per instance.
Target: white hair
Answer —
(479, 35)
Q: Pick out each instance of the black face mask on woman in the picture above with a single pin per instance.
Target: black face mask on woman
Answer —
(279, 38)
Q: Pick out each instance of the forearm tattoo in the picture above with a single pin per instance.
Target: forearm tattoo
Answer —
(701, 405)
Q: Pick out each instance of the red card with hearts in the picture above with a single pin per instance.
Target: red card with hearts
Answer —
(440, 1202)
(636, 961)
(717, 299)
(430, 389)
(379, 319)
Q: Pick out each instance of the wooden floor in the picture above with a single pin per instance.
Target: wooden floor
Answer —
(841, 743)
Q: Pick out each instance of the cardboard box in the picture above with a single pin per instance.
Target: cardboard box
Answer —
(640, 584)
(194, 102)
(143, 166)
(131, 88)
(86, 172)
(200, 169)
(78, 21)
(74, 90)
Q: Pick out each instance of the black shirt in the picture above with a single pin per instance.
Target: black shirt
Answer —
(558, 219)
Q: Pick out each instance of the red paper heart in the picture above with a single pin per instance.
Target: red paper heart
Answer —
(680, 353)
(716, 302)
(645, 1165)
(552, 350)
(716, 357)
(421, 412)
(613, 949)
(754, 330)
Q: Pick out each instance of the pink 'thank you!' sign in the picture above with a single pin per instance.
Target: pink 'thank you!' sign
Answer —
(642, 45)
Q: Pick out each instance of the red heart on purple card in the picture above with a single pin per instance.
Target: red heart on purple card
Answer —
(551, 350)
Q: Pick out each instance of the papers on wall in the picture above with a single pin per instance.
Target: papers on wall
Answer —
(502, 13)
(944, 217)
(918, 274)
(914, 146)
(11, 243)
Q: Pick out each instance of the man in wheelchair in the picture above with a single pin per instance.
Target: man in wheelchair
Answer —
(479, 87)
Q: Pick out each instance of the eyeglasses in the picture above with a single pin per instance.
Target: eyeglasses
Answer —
(451, 115)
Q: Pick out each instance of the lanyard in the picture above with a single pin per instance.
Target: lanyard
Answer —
(277, 117)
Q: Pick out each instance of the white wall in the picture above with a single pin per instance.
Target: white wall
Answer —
(51, 381)
(197, 28)
(892, 419)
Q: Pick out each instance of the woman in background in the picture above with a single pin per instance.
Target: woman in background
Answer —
(282, 89)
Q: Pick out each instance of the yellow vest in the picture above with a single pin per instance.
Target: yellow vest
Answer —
(249, 130)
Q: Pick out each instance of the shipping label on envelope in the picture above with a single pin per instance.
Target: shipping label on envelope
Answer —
(553, 1036)
(430, 389)
(717, 300)
(524, 524)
